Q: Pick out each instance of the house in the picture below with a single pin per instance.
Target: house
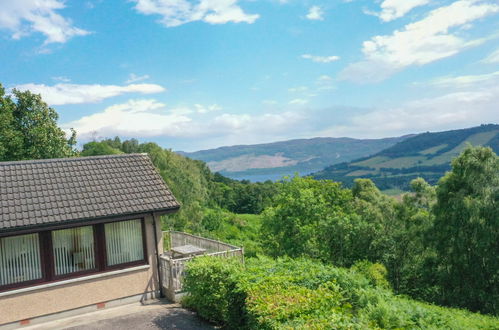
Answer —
(78, 234)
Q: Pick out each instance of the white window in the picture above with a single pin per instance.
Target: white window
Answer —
(73, 250)
(124, 242)
(20, 259)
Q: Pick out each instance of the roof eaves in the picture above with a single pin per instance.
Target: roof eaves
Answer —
(19, 229)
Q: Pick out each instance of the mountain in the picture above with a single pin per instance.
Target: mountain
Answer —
(272, 161)
(426, 155)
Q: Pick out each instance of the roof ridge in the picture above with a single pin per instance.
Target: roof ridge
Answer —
(69, 159)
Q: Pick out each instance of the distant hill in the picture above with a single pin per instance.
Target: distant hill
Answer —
(426, 155)
(272, 161)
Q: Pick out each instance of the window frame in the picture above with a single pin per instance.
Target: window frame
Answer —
(126, 264)
(74, 274)
(31, 282)
(47, 258)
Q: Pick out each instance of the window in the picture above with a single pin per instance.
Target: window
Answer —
(53, 255)
(19, 259)
(73, 250)
(124, 242)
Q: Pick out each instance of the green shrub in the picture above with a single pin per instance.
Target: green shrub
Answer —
(375, 272)
(304, 294)
(208, 281)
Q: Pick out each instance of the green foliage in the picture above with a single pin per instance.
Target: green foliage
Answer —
(242, 197)
(28, 129)
(466, 231)
(292, 225)
(237, 229)
(305, 294)
(375, 273)
(209, 282)
(321, 220)
(98, 149)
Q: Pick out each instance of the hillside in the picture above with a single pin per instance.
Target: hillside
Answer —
(426, 155)
(272, 161)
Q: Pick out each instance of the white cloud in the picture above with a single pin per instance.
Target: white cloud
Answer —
(393, 9)
(298, 102)
(466, 81)
(230, 129)
(324, 77)
(320, 59)
(299, 89)
(148, 118)
(419, 43)
(315, 13)
(27, 16)
(62, 79)
(137, 118)
(132, 78)
(178, 12)
(448, 111)
(492, 58)
(60, 94)
(325, 83)
(206, 109)
(270, 102)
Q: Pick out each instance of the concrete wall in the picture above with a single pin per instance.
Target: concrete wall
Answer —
(68, 296)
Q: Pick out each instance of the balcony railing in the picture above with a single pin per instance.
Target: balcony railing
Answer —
(173, 268)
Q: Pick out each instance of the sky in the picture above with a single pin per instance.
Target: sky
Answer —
(200, 74)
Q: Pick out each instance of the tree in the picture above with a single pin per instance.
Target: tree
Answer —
(409, 271)
(28, 129)
(466, 231)
(99, 149)
(293, 226)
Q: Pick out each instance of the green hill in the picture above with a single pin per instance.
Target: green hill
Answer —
(426, 155)
(272, 161)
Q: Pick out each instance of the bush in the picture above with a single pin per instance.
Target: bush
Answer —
(208, 282)
(305, 294)
(376, 273)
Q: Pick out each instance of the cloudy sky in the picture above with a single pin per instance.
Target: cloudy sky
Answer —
(199, 74)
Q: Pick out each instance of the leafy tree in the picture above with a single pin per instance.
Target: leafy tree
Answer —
(379, 219)
(98, 149)
(303, 206)
(410, 271)
(28, 129)
(466, 231)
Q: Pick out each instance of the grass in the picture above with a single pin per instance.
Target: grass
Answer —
(401, 162)
(371, 162)
(361, 173)
(242, 230)
(433, 150)
(394, 192)
(475, 139)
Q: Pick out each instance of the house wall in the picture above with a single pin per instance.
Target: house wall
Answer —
(85, 292)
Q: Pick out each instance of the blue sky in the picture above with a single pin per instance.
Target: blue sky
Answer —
(200, 74)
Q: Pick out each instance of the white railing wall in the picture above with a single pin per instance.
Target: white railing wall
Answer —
(173, 269)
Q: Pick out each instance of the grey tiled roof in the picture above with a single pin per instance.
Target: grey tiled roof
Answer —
(40, 192)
